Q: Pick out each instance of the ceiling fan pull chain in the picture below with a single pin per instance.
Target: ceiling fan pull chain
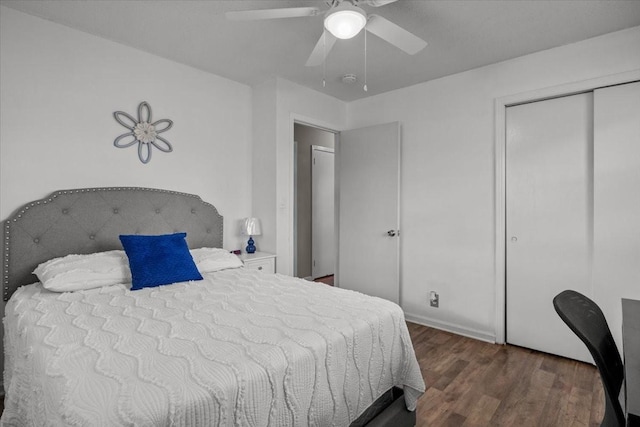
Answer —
(365, 61)
(324, 63)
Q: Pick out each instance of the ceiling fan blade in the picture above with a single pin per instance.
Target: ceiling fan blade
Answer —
(394, 34)
(378, 3)
(253, 15)
(322, 49)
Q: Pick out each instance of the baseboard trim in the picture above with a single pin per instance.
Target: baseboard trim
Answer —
(450, 327)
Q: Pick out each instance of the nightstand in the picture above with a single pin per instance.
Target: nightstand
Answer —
(261, 261)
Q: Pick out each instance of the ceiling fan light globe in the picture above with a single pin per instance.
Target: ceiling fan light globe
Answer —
(345, 23)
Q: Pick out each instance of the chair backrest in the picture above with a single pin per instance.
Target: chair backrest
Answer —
(586, 320)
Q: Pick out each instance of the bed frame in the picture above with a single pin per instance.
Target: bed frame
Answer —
(87, 220)
(82, 221)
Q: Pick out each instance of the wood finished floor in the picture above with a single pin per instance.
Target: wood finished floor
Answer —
(473, 383)
(327, 280)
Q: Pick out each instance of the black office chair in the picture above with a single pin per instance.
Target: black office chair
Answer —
(586, 320)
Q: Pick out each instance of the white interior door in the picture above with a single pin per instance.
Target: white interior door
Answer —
(368, 162)
(549, 217)
(323, 241)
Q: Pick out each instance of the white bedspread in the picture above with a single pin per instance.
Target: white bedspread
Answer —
(240, 348)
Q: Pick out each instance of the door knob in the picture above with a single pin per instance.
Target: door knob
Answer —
(393, 233)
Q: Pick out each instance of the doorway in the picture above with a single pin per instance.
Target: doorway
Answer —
(323, 231)
(366, 212)
(305, 138)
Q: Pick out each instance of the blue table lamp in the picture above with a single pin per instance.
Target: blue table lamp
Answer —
(251, 227)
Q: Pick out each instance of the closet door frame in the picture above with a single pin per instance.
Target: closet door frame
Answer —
(501, 105)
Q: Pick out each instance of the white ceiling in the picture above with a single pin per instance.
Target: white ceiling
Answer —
(462, 35)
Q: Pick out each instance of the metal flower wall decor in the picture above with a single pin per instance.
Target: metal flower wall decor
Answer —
(143, 132)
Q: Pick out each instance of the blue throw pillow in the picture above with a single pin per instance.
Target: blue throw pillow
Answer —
(159, 260)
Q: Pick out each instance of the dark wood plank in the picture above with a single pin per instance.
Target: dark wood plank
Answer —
(327, 280)
(472, 383)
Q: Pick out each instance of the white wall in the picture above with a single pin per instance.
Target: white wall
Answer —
(297, 103)
(264, 164)
(290, 102)
(59, 88)
(447, 219)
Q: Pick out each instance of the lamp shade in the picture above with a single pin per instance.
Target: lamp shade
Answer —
(251, 227)
(345, 21)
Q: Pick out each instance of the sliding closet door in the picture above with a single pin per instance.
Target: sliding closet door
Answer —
(616, 270)
(549, 217)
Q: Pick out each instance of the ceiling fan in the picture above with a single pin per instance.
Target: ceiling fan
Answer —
(343, 20)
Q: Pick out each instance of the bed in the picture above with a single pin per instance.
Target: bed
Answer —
(236, 347)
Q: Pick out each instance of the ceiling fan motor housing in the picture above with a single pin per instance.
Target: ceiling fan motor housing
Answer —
(345, 20)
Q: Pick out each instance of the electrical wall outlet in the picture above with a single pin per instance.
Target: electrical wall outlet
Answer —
(434, 299)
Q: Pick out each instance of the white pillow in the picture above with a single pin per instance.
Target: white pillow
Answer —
(209, 260)
(80, 272)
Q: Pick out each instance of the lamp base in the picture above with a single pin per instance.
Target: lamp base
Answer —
(251, 248)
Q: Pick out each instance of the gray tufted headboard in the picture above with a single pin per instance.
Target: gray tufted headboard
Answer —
(90, 220)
